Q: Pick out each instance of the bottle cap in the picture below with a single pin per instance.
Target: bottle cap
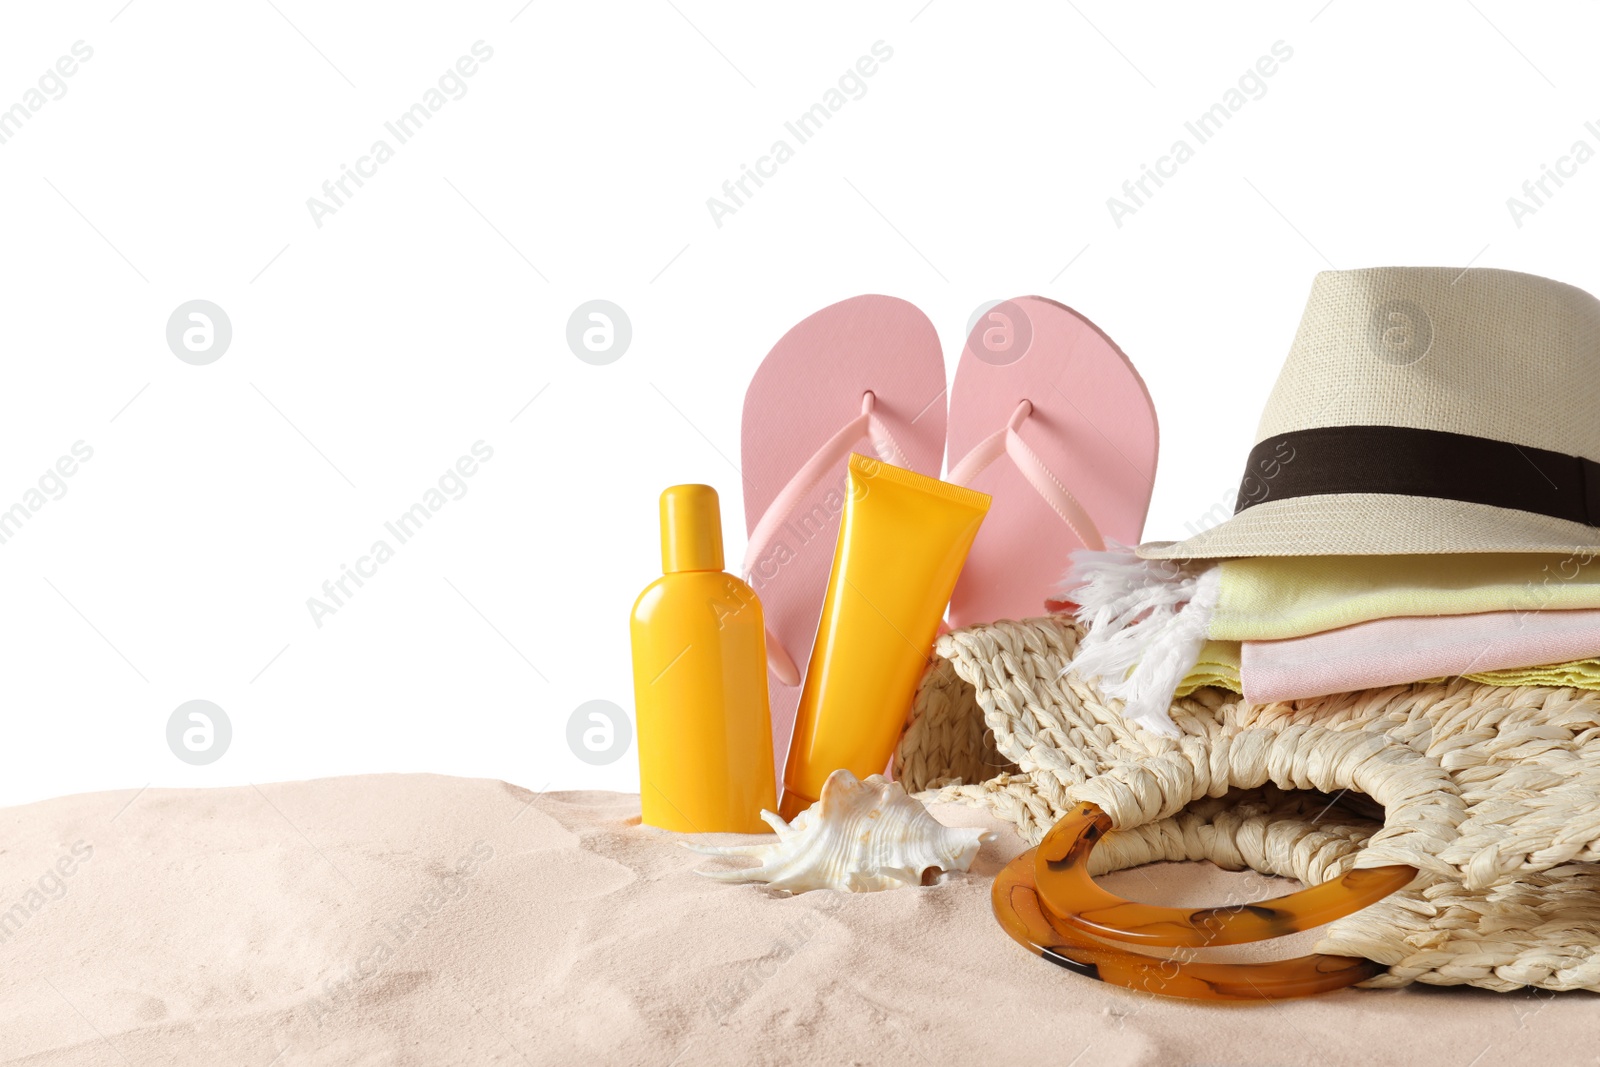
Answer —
(691, 529)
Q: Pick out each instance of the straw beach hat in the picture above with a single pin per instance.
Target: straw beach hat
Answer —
(1425, 410)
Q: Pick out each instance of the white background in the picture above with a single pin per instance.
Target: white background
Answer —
(368, 354)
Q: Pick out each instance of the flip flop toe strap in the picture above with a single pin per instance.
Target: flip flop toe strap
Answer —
(1006, 441)
(800, 485)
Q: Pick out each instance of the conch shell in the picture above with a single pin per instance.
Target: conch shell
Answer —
(862, 836)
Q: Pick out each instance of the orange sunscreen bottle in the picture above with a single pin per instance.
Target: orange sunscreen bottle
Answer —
(700, 681)
(902, 542)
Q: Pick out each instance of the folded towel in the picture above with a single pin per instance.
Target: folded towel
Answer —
(1148, 621)
(1579, 674)
(1396, 651)
(1270, 598)
(1219, 666)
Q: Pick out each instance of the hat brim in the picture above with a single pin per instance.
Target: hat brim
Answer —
(1377, 524)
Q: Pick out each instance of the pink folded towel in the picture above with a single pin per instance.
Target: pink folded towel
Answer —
(1400, 650)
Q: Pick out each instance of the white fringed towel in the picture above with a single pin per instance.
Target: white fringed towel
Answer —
(1146, 622)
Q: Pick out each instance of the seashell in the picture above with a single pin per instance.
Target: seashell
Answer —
(862, 836)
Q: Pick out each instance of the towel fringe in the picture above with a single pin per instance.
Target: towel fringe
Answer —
(1146, 623)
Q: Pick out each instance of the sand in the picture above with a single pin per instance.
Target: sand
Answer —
(417, 919)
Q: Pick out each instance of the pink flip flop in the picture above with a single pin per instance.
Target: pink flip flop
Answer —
(867, 369)
(1049, 418)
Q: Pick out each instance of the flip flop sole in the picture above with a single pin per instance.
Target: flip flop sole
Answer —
(1093, 425)
(810, 385)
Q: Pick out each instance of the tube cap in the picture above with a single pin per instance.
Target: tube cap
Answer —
(691, 529)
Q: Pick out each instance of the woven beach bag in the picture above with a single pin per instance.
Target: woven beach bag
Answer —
(1492, 793)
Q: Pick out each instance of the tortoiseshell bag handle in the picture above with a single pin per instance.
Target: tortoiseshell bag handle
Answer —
(1025, 917)
(1061, 874)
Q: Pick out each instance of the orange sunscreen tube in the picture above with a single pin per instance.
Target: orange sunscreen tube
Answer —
(902, 542)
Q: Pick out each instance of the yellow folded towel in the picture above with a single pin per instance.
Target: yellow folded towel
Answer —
(1265, 598)
(1579, 674)
(1219, 666)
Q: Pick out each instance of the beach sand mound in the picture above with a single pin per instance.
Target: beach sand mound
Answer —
(418, 919)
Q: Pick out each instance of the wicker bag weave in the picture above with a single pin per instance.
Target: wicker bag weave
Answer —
(1492, 793)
